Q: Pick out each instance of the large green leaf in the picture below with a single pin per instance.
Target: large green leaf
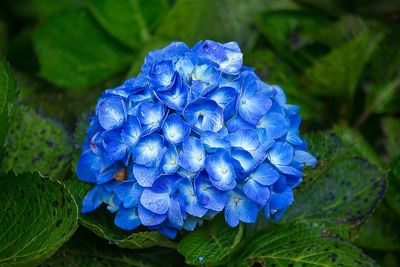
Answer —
(337, 73)
(101, 221)
(45, 8)
(211, 243)
(129, 21)
(191, 21)
(354, 138)
(393, 192)
(85, 249)
(288, 31)
(342, 192)
(37, 216)
(37, 143)
(381, 83)
(381, 231)
(391, 129)
(8, 95)
(297, 245)
(74, 51)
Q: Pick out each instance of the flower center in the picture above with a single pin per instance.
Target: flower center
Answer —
(200, 158)
(224, 171)
(243, 102)
(173, 162)
(151, 147)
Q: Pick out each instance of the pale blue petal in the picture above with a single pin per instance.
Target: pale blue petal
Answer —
(127, 219)
(111, 112)
(220, 170)
(149, 218)
(175, 130)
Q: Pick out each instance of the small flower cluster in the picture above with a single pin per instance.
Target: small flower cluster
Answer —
(194, 134)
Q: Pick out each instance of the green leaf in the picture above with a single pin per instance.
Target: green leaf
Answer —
(341, 191)
(101, 221)
(211, 243)
(393, 192)
(391, 128)
(288, 31)
(8, 95)
(85, 249)
(74, 51)
(360, 146)
(337, 73)
(38, 215)
(129, 21)
(45, 8)
(190, 21)
(381, 231)
(36, 143)
(297, 245)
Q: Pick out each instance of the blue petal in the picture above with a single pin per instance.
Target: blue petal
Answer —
(175, 217)
(209, 196)
(149, 218)
(84, 167)
(113, 202)
(192, 155)
(127, 219)
(242, 160)
(204, 115)
(252, 105)
(192, 206)
(185, 67)
(145, 176)
(289, 170)
(280, 153)
(280, 185)
(162, 75)
(265, 174)
(305, 157)
(106, 174)
(151, 116)
(155, 202)
(111, 113)
(256, 192)
(166, 184)
(191, 222)
(176, 98)
(280, 96)
(245, 138)
(129, 192)
(165, 230)
(175, 129)
(93, 199)
(212, 141)
(281, 200)
(132, 132)
(170, 162)
(116, 150)
(223, 96)
(239, 208)
(274, 123)
(221, 172)
(148, 151)
(237, 123)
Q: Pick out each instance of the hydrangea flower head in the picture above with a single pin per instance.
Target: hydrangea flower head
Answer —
(195, 134)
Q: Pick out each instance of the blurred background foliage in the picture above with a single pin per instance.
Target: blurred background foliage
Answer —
(338, 60)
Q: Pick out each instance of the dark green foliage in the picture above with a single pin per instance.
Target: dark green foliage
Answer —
(8, 94)
(37, 143)
(85, 249)
(74, 52)
(38, 215)
(211, 243)
(298, 245)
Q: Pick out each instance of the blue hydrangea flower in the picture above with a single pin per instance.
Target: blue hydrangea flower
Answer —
(195, 134)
